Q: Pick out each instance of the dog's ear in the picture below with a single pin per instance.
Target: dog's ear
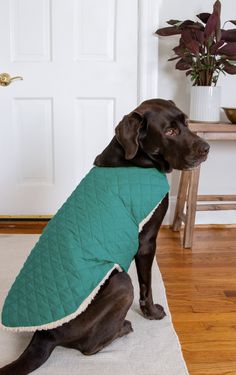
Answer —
(127, 132)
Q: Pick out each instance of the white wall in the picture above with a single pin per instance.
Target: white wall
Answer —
(218, 174)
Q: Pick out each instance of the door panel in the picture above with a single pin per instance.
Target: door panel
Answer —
(95, 46)
(34, 142)
(34, 18)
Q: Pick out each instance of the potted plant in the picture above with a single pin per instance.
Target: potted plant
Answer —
(204, 51)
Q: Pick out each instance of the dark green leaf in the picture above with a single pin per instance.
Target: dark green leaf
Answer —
(211, 26)
(173, 58)
(173, 22)
(216, 47)
(228, 35)
(186, 23)
(229, 68)
(182, 65)
(196, 26)
(228, 49)
(179, 50)
(191, 44)
(199, 36)
(217, 7)
(167, 31)
(188, 72)
(203, 17)
(231, 58)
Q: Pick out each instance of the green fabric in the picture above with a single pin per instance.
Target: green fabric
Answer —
(96, 228)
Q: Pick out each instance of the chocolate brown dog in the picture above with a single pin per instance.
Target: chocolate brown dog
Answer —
(156, 135)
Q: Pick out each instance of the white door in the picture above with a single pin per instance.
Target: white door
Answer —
(78, 60)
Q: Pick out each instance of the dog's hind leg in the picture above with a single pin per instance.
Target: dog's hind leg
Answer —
(36, 353)
(104, 319)
(124, 330)
(111, 308)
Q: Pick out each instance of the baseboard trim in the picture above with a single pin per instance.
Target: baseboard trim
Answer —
(25, 225)
(205, 226)
(25, 217)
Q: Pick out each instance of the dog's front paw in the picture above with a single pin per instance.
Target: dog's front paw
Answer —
(152, 311)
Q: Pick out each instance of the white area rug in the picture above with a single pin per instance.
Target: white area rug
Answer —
(152, 349)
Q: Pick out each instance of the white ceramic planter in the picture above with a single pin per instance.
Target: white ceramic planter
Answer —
(205, 104)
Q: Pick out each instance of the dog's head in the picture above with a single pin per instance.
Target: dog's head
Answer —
(160, 130)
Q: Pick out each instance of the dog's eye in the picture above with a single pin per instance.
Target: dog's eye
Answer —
(172, 131)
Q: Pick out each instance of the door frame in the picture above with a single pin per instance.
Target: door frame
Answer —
(148, 11)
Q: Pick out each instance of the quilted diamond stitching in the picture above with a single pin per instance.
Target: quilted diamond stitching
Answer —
(95, 228)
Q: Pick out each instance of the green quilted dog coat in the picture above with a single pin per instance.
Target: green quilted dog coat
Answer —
(94, 232)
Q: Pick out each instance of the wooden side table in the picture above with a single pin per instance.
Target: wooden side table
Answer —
(189, 180)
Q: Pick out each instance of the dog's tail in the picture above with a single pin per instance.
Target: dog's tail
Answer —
(36, 353)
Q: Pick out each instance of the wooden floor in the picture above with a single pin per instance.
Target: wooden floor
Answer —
(201, 292)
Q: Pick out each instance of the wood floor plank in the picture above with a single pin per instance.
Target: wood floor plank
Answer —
(201, 291)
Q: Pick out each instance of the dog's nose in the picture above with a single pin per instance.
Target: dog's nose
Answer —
(203, 149)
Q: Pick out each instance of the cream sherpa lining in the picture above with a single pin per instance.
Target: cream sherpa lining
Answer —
(148, 217)
(87, 300)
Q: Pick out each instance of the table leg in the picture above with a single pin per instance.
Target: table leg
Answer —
(191, 207)
(181, 199)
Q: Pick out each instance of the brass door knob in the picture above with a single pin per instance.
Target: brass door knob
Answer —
(6, 79)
